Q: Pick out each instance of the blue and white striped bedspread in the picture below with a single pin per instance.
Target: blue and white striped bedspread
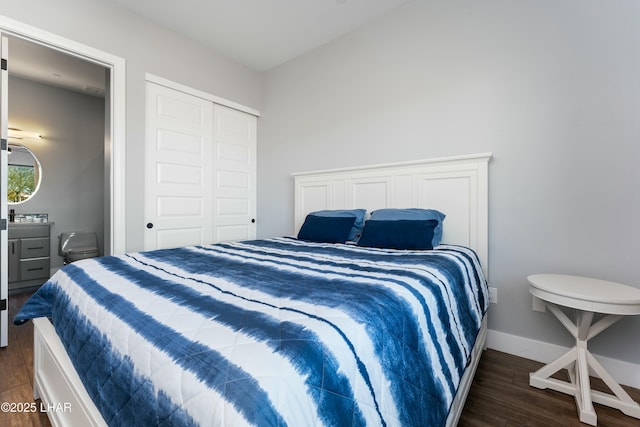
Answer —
(270, 332)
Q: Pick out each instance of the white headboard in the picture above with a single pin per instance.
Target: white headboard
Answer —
(456, 186)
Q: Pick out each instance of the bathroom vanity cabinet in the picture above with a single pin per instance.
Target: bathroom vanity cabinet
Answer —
(29, 254)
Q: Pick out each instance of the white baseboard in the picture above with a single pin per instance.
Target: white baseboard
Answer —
(623, 372)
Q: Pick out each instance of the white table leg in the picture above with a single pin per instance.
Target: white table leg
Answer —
(586, 410)
(577, 361)
(621, 401)
(583, 384)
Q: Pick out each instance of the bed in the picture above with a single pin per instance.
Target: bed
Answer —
(279, 331)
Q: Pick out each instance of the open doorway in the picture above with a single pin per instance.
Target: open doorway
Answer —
(114, 141)
(57, 114)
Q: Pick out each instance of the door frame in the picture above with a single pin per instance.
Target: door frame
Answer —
(152, 78)
(115, 121)
(4, 230)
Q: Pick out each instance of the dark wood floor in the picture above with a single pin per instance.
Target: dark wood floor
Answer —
(500, 394)
(16, 377)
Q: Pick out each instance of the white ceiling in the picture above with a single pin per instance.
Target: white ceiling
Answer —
(35, 62)
(260, 34)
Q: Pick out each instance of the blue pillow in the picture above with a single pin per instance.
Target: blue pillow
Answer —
(359, 214)
(390, 214)
(398, 234)
(326, 229)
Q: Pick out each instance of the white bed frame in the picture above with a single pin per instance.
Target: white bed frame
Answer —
(457, 186)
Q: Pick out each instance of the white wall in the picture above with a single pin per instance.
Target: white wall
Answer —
(71, 155)
(147, 48)
(551, 87)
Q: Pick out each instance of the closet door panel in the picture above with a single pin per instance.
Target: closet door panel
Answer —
(179, 171)
(235, 174)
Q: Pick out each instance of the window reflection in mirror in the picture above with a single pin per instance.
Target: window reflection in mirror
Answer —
(23, 174)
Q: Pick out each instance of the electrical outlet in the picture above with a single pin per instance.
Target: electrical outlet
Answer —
(493, 295)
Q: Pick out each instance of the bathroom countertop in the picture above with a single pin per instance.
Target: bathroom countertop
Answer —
(22, 224)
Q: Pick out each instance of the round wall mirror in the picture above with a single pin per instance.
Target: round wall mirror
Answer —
(23, 175)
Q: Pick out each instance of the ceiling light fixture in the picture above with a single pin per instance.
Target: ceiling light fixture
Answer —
(15, 133)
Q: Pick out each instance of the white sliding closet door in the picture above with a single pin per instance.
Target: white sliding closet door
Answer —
(200, 184)
(178, 174)
(235, 174)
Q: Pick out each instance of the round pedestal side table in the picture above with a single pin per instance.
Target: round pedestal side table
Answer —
(588, 297)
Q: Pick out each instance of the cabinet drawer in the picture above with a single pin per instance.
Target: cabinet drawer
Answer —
(34, 247)
(14, 259)
(34, 268)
